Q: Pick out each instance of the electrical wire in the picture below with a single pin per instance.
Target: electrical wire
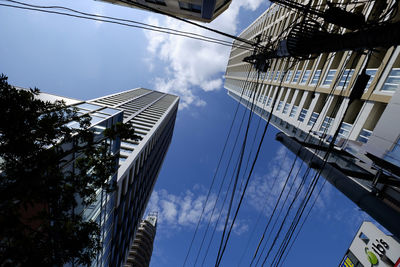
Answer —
(251, 171)
(124, 22)
(214, 176)
(188, 21)
(247, 83)
(331, 145)
(221, 249)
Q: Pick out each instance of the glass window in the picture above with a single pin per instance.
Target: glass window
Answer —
(88, 106)
(372, 73)
(329, 77)
(110, 111)
(289, 76)
(293, 111)
(346, 77)
(305, 76)
(158, 2)
(190, 7)
(316, 77)
(296, 76)
(302, 115)
(392, 81)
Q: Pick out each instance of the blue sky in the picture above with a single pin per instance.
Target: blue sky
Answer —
(86, 59)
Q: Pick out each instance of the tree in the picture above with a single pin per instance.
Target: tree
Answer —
(48, 173)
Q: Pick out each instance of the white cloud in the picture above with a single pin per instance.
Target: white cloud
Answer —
(176, 212)
(193, 64)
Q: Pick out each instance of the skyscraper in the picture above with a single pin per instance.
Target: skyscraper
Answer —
(142, 247)
(310, 106)
(153, 116)
(200, 10)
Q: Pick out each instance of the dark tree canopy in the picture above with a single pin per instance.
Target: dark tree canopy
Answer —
(41, 222)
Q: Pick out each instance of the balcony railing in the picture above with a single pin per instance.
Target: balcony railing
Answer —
(277, 76)
(392, 81)
(316, 77)
(329, 77)
(326, 124)
(293, 111)
(305, 76)
(279, 105)
(364, 136)
(296, 76)
(289, 76)
(346, 77)
(372, 73)
(302, 115)
(313, 118)
(345, 129)
(269, 101)
(286, 108)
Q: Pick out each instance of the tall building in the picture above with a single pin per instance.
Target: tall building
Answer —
(142, 247)
(372, 247)
(365, 162)
(200, 10)
(153, 115)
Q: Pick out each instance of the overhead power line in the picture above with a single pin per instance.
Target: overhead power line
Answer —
(122, 22)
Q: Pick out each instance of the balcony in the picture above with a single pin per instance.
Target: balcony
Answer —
(364, 136)
(269, 101)
(289, 76)
(279, 105)
(345, 79)
(326, 124)
(296, 76)
(293, 111)
(305, 76)
(316, 77)
(329, 77)
(302, 115)
(313, 118)
(392, 81)
(345, 129)
(286, 108)
(372, 73)
(277, 76)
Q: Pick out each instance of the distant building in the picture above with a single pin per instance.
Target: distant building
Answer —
(142, 247)
(371, 247)
(153, 115)
(200, 10)
(309, 108)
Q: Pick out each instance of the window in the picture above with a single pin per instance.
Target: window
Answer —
(289, 76)
(392, 81)
(296, 76)
(302, 115)
(157, 2)
(372, 73)
(345, 129)
(279, 105)
(293, 111)
(329, 77)
(286, 108)
(316, 77)
(190, 7)
(313, 118)
(364, 136)
(305, 77)
(346, 77)
(326, 125)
